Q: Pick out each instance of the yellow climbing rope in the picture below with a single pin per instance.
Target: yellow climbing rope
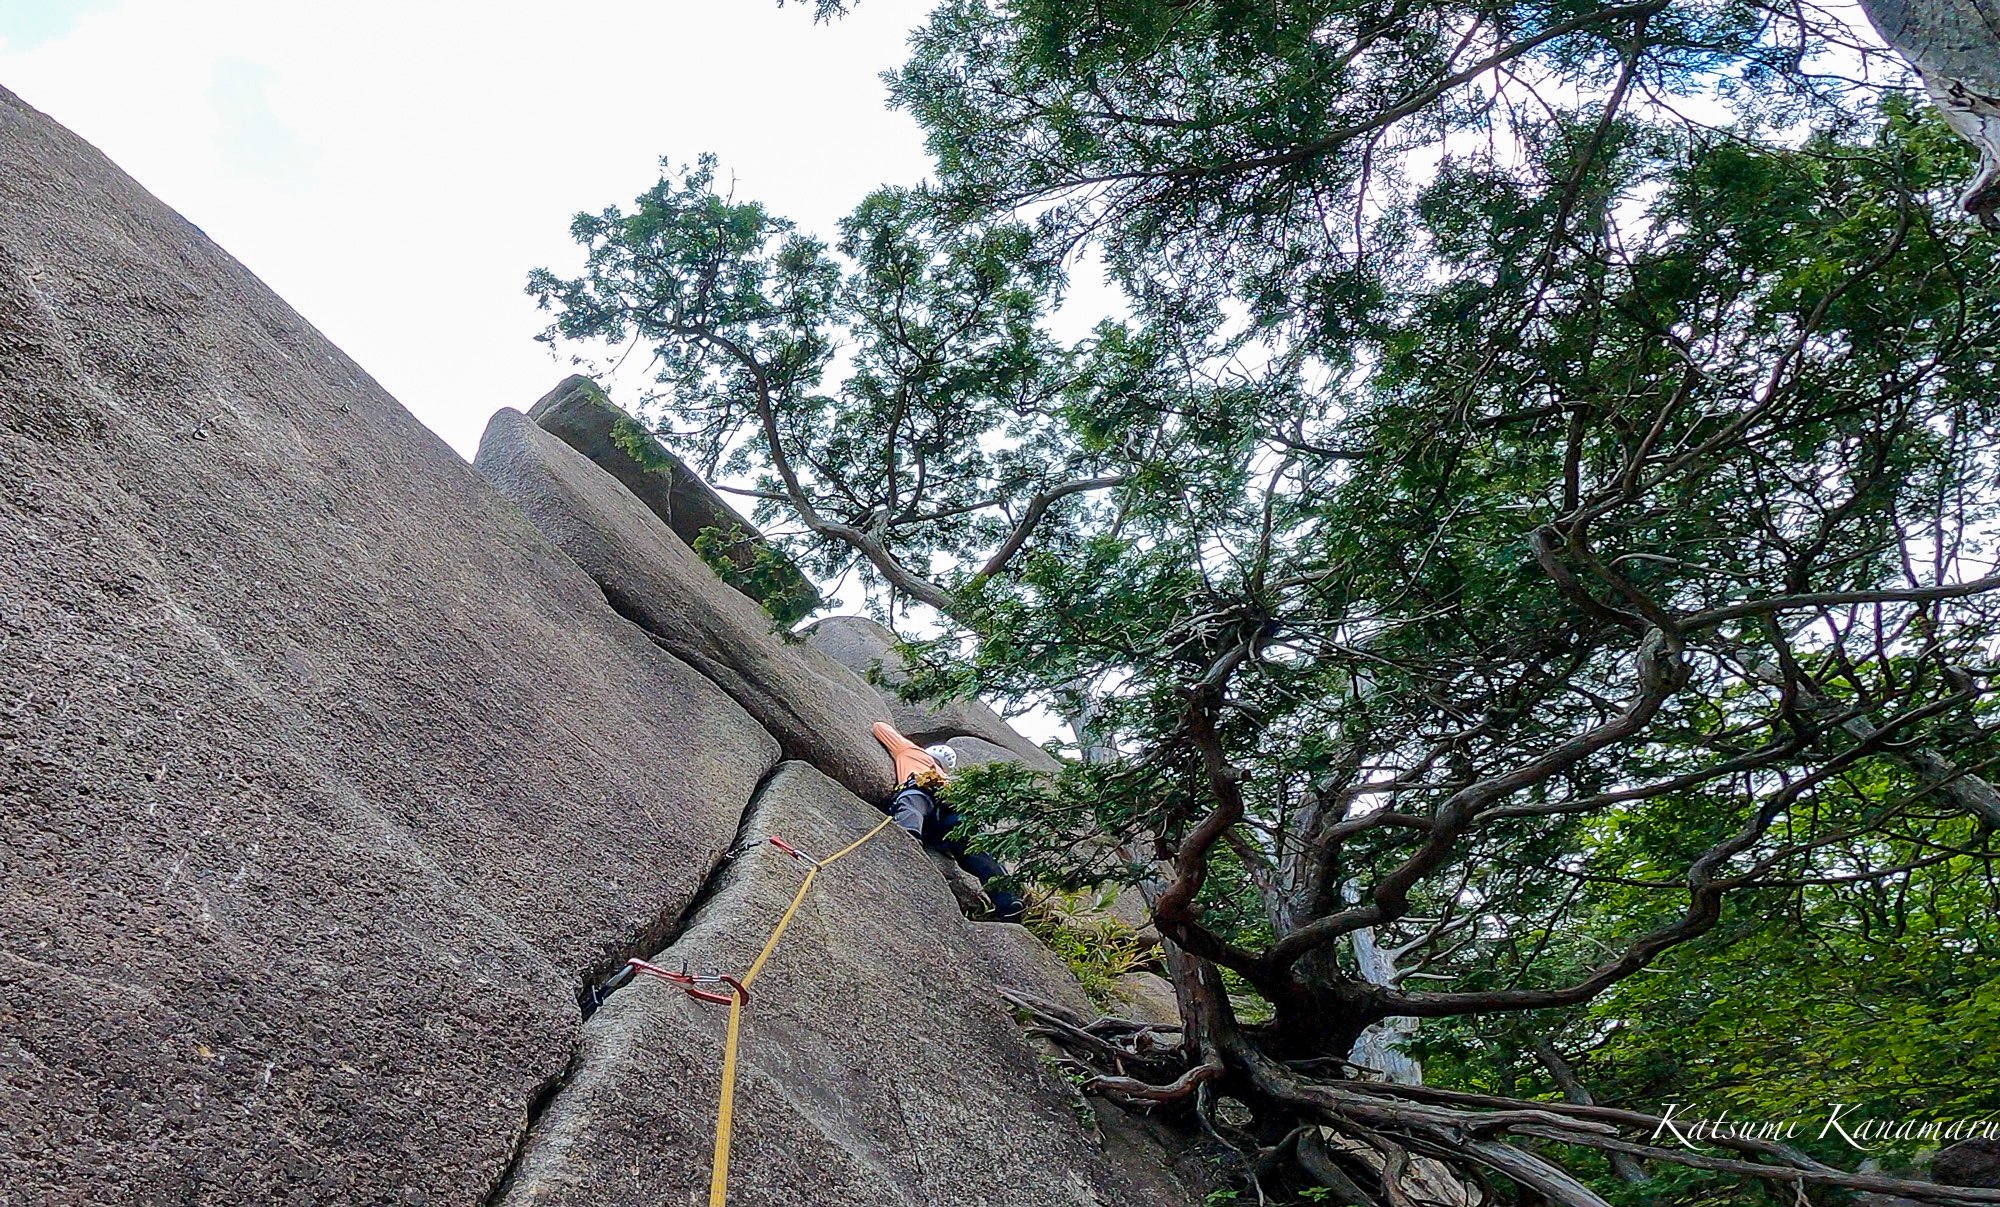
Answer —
(718, 1180)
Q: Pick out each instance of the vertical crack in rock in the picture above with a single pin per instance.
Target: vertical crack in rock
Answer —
(611, 973)
(538, 1105)
(597, 988)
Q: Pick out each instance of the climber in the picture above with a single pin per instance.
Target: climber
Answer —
(920, 772)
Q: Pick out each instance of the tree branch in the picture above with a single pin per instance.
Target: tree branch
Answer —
(1385, 117)
(1703, 910)
(1660, 674)
(898, 575)
(1038, 506)
(1836, 599)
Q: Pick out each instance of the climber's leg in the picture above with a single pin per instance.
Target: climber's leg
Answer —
(942, 832)
(911, 807)
(1007, 905)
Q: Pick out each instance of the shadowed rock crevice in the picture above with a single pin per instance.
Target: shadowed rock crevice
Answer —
(613, 973)
(538, 1106)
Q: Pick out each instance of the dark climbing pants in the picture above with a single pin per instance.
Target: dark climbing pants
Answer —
(917, 811)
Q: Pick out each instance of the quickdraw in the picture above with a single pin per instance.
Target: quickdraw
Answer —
(795, 853)
(718, 1184)
(689, 981)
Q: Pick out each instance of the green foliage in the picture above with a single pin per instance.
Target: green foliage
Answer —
(640, 445)
(1881, 997)
(1098, 948)
(771, 578)
(996, 798)
(955, 404)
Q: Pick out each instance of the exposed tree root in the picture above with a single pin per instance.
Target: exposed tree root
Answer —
(1396, 1145)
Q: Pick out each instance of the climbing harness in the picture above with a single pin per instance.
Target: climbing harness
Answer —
(739, 996)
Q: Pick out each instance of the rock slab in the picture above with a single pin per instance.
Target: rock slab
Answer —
(325, 779)
(818, 710)
(874, 1067)
(1974, 1162)
(328, 781)
(1017, 960)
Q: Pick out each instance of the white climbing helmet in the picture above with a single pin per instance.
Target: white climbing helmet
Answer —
(946, 757)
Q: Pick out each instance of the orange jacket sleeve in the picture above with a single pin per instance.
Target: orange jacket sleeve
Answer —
(910, 757)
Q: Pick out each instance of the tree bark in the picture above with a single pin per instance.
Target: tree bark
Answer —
(1381, 1046)
(1954, 45)
(1625, 1165)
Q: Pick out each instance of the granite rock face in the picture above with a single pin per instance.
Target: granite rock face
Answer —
(1147, 997)
(817, 709)
(862, 646)
(325, 779)
(1018, 960)
(971, 750)
(875, 1066)
(328, 782)
(579, 413)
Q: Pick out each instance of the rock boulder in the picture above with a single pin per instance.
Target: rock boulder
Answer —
(583, 417)
(1146, 997)
(329, 784)
(1974, 1162)
(818, 710)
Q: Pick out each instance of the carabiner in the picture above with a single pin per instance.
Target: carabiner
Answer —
(689, 981)
(742, 994)
(795, 853)
(665, 974)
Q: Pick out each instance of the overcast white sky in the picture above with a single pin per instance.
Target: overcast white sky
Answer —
(393, 168)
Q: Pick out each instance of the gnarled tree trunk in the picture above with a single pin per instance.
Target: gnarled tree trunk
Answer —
(1955, 46)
